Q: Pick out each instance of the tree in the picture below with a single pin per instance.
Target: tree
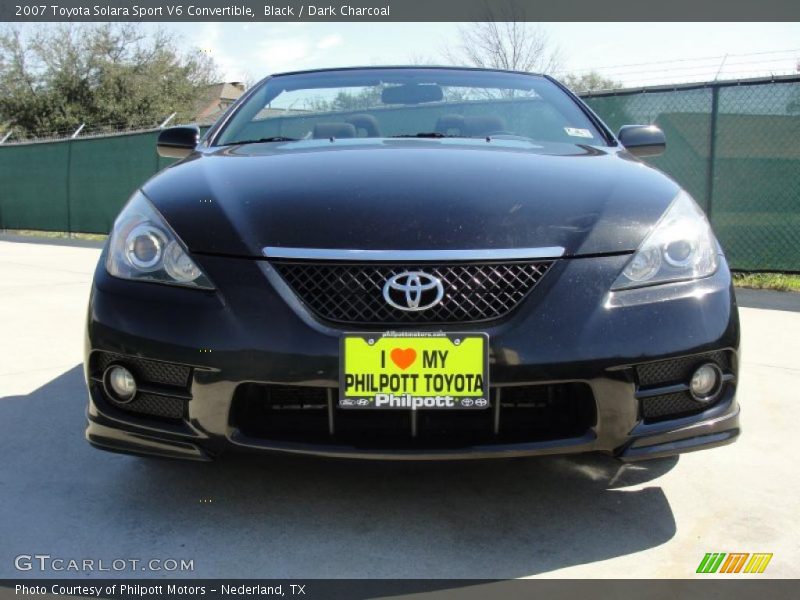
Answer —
(110, 76)
(504, 40)
(591, 81)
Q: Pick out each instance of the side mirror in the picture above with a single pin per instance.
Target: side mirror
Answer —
(642, 140)
(177, 142)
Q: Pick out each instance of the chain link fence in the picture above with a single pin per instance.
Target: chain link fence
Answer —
(735, 146)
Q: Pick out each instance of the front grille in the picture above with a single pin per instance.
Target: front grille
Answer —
(353, 292)
(303, 414)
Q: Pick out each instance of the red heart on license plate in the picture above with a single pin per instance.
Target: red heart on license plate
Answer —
(403, 358)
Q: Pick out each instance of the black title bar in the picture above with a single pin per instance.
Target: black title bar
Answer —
(398, 10)
(412, 589)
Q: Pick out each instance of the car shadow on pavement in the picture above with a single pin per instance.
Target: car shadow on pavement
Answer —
(275, 516)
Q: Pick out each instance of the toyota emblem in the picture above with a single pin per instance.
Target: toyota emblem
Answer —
(413, 291)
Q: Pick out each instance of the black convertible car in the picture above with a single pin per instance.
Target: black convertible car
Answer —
(411, 263)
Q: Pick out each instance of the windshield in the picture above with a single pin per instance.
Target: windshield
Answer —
(408, 102)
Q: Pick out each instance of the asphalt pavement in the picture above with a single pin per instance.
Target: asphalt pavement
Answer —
(289, 517)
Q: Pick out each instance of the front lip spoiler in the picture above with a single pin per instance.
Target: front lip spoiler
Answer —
(129, 442)
(711, 433)
(585, 443)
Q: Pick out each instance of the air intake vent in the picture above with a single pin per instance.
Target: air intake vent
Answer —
(677, 370)
(309, 414)
(659, 386)
(166, 407)
(163, 388)
(151, 371)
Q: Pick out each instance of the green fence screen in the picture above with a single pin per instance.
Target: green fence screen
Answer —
(735, 146)
(73, 185)
(736, 149)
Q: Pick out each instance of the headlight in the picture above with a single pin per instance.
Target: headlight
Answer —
(144, 247)
(681, 246)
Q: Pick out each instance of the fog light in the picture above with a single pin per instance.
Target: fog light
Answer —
(706, 382)
(120, 384)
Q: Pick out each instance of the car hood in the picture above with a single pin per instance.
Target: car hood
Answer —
(395, 194)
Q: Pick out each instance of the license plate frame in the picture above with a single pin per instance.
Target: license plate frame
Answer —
(390, 353)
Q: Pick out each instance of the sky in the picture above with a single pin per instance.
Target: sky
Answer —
(632, 53)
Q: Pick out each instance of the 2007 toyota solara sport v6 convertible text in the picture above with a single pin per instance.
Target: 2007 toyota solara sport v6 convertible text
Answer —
(411, 263)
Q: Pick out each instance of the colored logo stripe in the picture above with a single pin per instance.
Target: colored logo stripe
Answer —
(734, 562)
(758, 563)
(713, 562)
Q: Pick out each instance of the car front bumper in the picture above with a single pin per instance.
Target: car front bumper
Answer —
(570, 332)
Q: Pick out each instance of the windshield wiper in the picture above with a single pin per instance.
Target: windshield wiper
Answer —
(276, 138)
(427, 134)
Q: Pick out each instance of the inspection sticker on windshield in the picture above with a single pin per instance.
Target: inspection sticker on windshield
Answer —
(574, 132)
(412, 371)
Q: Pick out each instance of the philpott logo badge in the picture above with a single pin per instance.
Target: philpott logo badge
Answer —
(734, 562)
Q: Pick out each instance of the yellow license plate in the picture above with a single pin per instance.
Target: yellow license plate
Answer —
(413, 371)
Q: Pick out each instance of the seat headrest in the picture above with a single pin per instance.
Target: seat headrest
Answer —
(483, 125)
(447, 123)
(334, 130)
(366, 122)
